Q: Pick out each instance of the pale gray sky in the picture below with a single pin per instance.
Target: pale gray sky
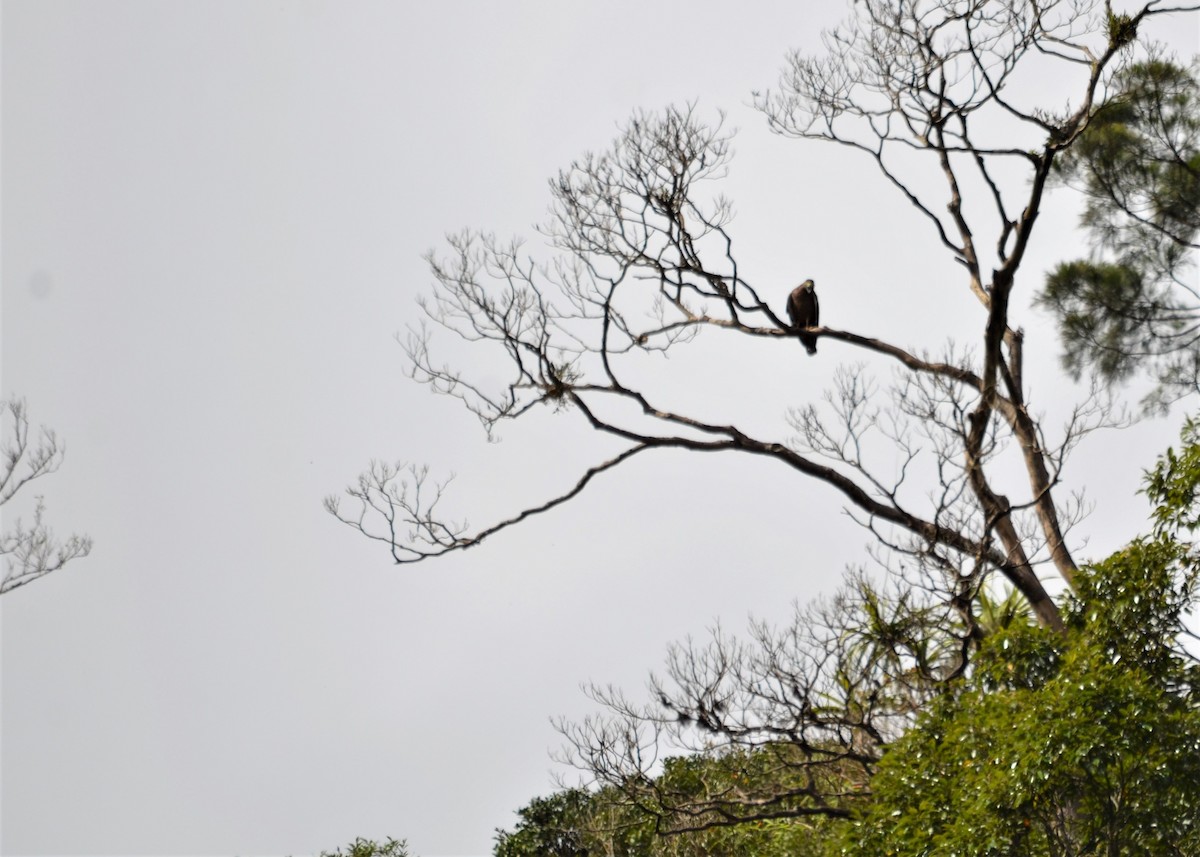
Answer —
(213, 216)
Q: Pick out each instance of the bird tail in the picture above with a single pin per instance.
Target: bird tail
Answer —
(809, 342)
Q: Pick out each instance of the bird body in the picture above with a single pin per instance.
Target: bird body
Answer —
(804, 311)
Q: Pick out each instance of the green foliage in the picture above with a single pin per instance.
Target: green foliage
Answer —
(1129, 608)
(369, 848)
(1105, 312)
(1122, 29)
(1173, 482)
(751, 785)
(1137, 161)
(1017, 657)
(1138, 166)
(568, 823)
(581, 823)
(1098, 760)
(1086, 743)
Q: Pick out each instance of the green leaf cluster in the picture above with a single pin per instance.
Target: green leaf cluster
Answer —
(1081, 744)
(582, 823)
(361, 847)
(1137, 163)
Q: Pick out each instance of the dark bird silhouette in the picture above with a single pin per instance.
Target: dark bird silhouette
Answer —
(804, 312)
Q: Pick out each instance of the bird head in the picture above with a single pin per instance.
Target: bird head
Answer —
(809, 285)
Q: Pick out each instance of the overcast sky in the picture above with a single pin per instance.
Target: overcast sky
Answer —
(213, 218)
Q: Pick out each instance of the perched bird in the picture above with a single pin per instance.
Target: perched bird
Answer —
(804, 312)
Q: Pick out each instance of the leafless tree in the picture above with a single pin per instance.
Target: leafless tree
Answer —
(31, 551)
(808, 708)
(936, 94)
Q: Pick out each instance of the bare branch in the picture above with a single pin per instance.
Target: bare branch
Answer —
(30, 552)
